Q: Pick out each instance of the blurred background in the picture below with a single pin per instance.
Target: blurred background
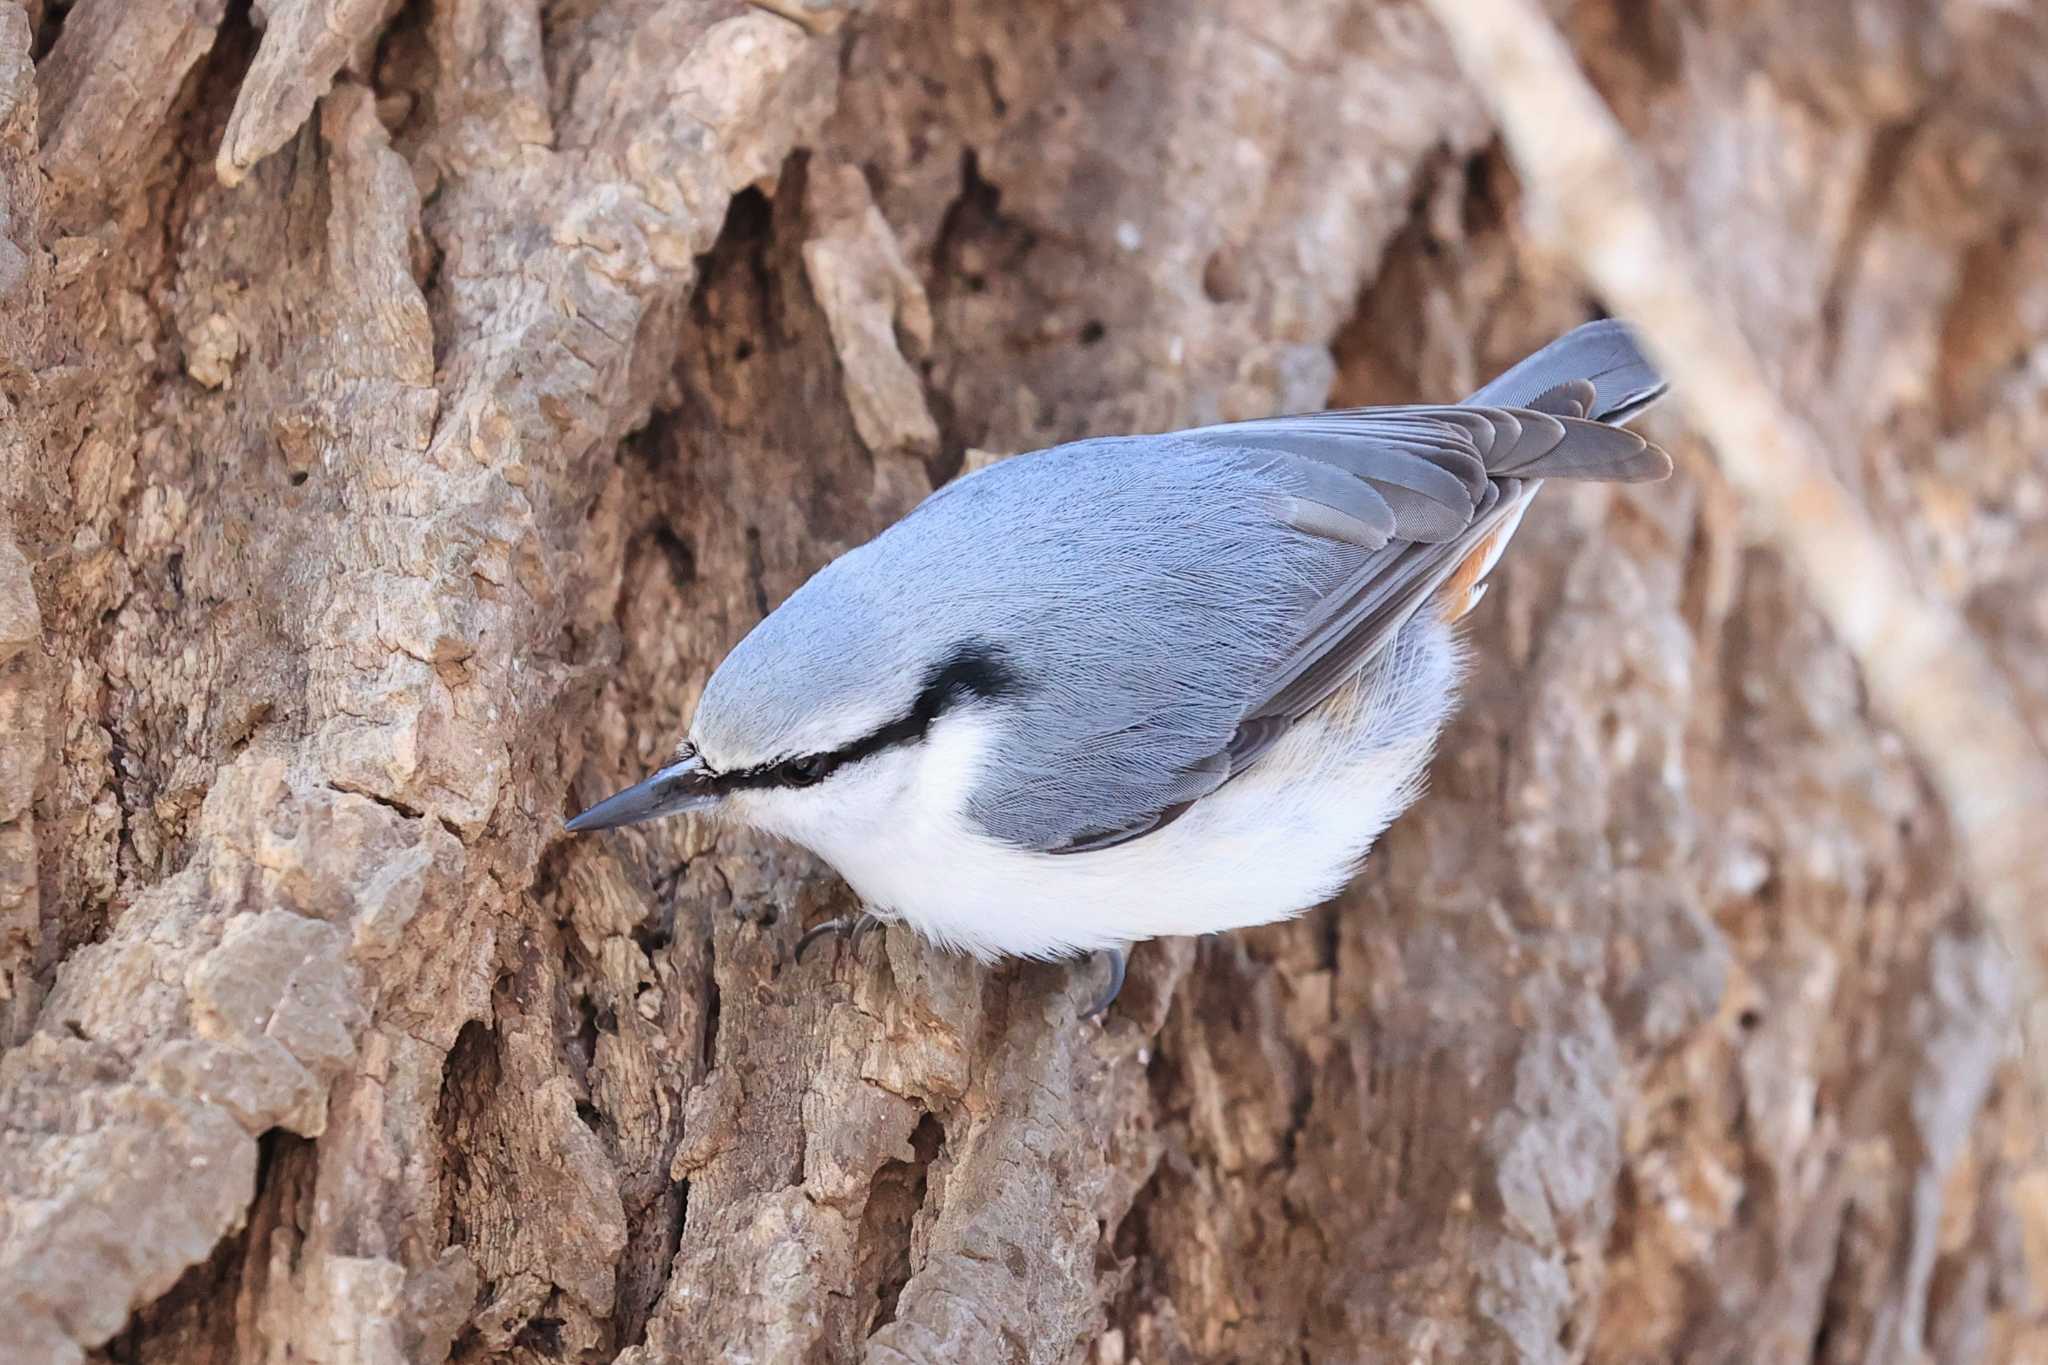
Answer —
(403, 405)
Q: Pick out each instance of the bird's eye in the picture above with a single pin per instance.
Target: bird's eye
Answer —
(806, 772)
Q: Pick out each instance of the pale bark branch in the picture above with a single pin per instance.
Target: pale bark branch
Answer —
(1923, 667)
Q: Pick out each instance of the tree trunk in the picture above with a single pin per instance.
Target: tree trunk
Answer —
(407, 404)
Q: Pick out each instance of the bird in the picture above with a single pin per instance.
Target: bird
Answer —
(1140, 686)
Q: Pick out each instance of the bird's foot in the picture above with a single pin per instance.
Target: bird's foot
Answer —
(851, 927)
(1117, 962)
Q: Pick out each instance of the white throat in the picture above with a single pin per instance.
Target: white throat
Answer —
(893, 824)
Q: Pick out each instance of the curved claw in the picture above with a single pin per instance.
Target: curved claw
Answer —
(851, 927)
(1117, 962)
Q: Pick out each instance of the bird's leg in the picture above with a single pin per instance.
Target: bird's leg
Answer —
(852, 927)
(1116, 958)
(866, 925)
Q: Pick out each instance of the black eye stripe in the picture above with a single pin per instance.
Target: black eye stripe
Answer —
(974, 669)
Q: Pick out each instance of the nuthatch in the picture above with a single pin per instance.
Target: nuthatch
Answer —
(1143, 685)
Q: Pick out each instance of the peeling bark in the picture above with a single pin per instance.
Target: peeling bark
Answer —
(403, 407)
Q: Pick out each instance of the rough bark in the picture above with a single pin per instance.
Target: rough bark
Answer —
(402, 407)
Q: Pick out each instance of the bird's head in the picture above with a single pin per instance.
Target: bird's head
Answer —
(827, 703)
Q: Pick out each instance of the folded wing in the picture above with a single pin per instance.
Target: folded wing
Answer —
(1424, 492)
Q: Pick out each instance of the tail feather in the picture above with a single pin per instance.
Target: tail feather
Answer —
(1592, 375)
(1601, 354)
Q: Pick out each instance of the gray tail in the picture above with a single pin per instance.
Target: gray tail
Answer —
(1595, 371)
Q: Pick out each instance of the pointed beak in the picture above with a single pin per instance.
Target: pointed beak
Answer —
(683, 785)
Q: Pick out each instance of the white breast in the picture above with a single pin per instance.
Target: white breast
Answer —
(1282, 837)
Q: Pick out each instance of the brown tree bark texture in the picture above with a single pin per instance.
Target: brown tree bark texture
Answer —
(407, 404)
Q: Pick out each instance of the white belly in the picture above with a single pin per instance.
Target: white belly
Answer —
(1283, 836)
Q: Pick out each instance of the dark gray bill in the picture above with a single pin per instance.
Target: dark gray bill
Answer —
(681, 786)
